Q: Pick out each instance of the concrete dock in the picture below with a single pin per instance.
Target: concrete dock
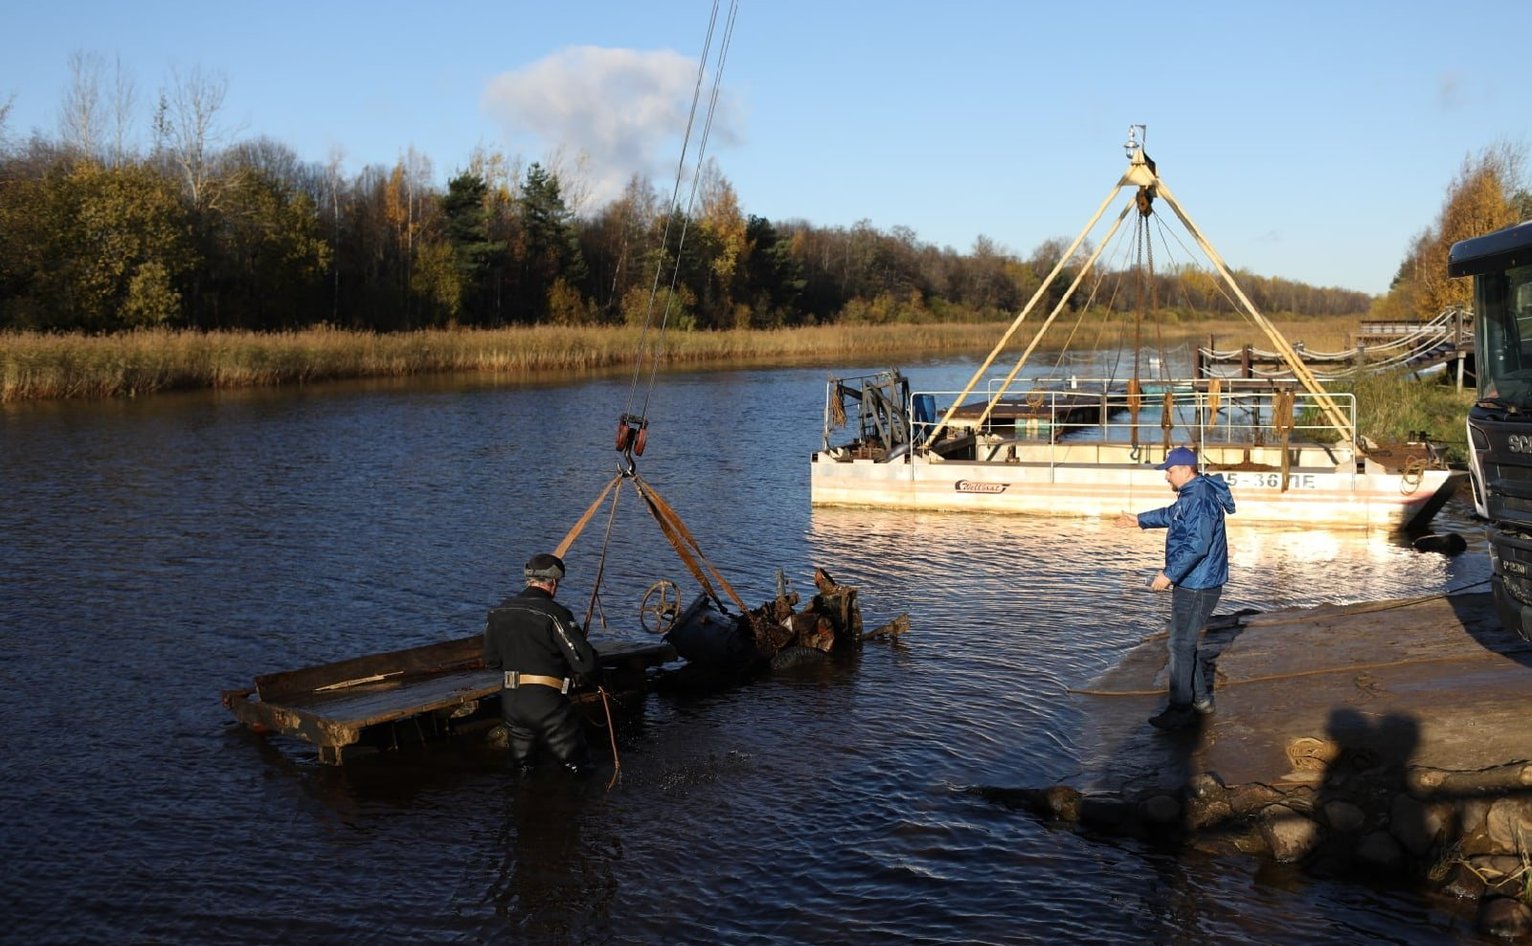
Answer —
(1432, 681)
(1380, 739)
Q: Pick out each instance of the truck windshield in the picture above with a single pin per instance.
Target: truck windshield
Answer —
(1503, 305)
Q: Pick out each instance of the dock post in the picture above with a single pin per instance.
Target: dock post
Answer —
(1457, 343)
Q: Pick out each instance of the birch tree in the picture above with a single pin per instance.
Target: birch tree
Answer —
(187, 130)
(80, 115)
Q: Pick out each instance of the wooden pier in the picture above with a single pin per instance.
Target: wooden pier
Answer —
(1422, 346)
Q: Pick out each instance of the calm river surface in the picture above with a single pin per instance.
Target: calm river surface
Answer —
(156, 551)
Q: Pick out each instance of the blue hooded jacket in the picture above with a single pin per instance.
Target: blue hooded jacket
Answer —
(1196, 548)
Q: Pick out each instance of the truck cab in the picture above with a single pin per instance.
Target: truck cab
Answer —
(1500, 420)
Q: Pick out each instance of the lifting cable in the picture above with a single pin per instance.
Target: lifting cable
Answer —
(633, 423)
(632, 426)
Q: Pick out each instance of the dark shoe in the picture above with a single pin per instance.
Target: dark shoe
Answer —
(1174, 717)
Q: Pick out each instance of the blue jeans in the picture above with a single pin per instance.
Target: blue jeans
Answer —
(1190, 609)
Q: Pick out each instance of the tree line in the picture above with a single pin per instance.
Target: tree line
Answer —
(1489, 192)
(98, 237)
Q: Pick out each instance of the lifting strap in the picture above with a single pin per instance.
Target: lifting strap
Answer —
(679, 536)
(574, 533)
(632, 425)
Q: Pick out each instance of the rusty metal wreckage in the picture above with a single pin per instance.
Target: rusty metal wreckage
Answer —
(377, 702)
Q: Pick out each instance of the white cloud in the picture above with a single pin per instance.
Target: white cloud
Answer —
(620, 112)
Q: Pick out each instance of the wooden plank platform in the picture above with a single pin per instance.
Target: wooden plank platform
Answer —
(434, 690)
(368, 704)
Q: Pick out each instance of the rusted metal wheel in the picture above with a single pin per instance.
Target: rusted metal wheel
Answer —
(661, 604)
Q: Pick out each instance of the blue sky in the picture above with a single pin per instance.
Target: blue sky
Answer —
(1309, 140)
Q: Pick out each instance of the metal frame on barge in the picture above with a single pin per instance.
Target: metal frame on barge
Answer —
(1087, 446)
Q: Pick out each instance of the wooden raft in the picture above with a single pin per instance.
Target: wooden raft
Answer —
(370, 703)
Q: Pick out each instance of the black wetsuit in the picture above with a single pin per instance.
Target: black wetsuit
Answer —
(533, 634)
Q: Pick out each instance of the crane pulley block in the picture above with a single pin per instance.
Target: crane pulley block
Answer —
(632, 434)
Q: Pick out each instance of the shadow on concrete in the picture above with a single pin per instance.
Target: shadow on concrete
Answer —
(1483, 624)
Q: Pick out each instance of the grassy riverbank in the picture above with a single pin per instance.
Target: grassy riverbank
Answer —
(35, 366)
(39, 366)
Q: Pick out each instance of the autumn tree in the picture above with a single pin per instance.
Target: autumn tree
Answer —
(411, 213)
(720, 248)
(110, 250)
(502, 178)
(1488, 193)
(96, 116)
(987, 285)
(771, 282)
(187, 130)
(266, 266)
(616, 242)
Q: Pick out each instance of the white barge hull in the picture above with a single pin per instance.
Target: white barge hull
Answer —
(1321, 497)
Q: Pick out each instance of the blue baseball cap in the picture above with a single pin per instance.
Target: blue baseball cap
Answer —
(1180, 456)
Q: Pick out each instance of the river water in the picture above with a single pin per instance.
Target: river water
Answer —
(159, 550)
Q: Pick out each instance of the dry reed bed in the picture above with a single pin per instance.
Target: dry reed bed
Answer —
(37, 366)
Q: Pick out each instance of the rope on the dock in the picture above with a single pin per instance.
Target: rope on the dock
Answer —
(1367, 608)
(1296, 674)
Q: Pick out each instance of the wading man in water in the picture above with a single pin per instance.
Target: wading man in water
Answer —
(1196, 569)
(535, 641)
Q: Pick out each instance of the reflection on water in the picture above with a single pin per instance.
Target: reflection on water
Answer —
(162, 549)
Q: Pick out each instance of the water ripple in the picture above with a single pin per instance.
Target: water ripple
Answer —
(163, 549)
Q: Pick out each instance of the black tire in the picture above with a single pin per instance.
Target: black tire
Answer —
(789, 657)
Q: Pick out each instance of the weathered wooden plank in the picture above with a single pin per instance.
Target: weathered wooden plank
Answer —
(332, 703)
(370, 704)
(461, 653)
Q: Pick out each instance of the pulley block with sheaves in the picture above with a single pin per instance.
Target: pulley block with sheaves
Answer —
(632, 434)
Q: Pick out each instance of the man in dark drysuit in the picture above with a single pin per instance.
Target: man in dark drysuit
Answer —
(535, 641)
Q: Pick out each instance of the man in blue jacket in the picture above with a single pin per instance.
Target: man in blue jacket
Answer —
(1196, 569)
